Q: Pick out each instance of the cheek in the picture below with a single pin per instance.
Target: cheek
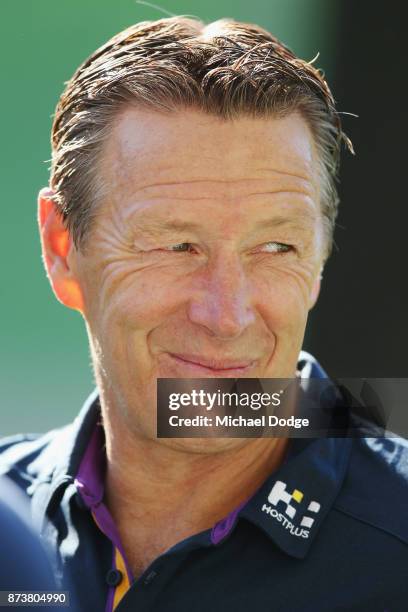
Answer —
(132, 299)
(284, 296)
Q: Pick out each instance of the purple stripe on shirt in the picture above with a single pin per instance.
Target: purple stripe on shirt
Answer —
(90, 477)
(224, 527)
(90, 482)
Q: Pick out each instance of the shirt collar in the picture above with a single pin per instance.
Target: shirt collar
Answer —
(55, 467)
(90, 478)
(61, 457)
(293, 503)
(90, 485)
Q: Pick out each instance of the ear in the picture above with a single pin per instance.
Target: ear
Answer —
(315, 290)
(57, 249)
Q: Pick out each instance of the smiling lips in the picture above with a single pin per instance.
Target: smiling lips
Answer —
(214, 366)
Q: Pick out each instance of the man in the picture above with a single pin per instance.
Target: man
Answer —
(188, 219)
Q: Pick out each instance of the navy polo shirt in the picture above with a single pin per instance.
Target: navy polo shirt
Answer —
(23, 562)
(327, 530)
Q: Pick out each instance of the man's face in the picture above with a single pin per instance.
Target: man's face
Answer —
(205, 255)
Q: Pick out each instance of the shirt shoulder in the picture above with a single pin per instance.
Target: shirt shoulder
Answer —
(375, 489)
(35, 459)
(25, 458)
(22, 448)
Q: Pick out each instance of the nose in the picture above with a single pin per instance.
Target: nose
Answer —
(222, 301)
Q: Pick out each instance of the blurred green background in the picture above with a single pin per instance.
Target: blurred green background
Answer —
(45, 372)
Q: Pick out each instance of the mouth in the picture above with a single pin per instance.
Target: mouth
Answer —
(198, 365)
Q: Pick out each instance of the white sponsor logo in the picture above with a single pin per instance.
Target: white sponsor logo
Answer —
(280, 496)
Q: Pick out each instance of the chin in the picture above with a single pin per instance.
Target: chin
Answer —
(202, 446)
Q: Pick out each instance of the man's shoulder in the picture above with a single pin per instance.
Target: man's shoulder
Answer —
(28, 458)
(375, 489)
(23, 447)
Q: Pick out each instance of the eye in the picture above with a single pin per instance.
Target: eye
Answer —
(277, 247)
(182, 247)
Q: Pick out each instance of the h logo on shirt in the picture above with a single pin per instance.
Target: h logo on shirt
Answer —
(280, 494)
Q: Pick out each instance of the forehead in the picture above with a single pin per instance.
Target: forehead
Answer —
(147, 149)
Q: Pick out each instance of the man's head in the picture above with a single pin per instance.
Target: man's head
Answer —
(191, 206)
(226, 68)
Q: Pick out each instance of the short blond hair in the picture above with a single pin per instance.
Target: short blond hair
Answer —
(225, 68)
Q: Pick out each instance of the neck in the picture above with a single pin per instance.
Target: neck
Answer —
(148, 480)
(159, 495)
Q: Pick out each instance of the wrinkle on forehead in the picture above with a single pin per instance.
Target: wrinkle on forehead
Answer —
(190, 155)
(278, 175)
(228, 190)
